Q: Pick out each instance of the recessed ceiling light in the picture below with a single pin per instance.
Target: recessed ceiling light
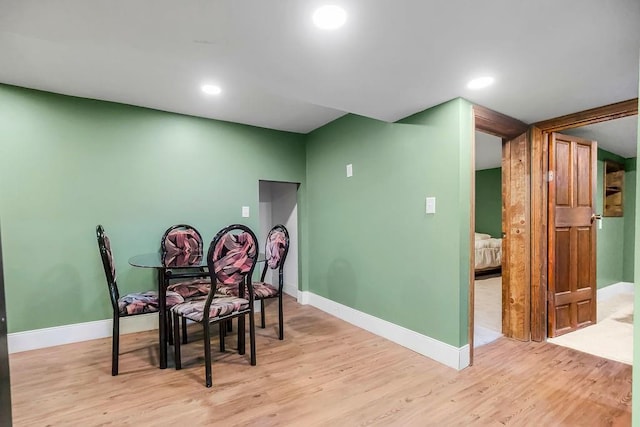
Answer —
(211, 89)
(329, 17)
(480, 82)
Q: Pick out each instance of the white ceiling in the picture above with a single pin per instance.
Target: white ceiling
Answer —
(390, 60)
(618, 136)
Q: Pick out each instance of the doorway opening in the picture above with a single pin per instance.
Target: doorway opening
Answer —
(487, 239)
(278, 204)
(611, 335)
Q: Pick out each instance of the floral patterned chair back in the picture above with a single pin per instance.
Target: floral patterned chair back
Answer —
(181, 245)
(232, 256)
(277, 246)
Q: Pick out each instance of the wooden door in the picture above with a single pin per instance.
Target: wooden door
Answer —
(572, 234)
(516, 237)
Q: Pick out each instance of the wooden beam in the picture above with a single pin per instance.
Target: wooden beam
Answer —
(591, 116)
(497, 124)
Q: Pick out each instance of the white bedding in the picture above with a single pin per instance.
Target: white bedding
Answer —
(488, 252)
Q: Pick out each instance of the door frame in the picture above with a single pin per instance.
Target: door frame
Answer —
(540, 133)
(506, 128)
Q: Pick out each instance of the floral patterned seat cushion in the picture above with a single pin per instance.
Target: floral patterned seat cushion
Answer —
(261, 290)
(220, 306)
(145, 302)
(192, 288)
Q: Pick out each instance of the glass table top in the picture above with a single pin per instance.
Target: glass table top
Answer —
(158, 260)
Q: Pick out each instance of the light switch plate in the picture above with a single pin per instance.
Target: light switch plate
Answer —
(431, 205)
(245, 211)
(349, 170)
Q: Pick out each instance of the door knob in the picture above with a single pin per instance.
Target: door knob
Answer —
(595, 216)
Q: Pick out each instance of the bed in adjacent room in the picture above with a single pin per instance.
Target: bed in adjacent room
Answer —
(488, 253)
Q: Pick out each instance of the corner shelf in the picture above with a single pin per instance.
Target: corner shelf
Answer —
(613, 189)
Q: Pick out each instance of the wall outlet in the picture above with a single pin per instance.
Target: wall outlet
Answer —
(245, 212)
(349, 170)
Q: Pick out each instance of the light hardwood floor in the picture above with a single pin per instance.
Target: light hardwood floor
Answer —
(325, 372)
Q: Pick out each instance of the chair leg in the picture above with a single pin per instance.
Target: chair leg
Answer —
(176, 340)
(262, 313)
(230, 325)
(169, 317)
(184, 330)
(280, 318)
(207, 355)
(115, 344)
(241, 333)
(222, 334)
(252, 337)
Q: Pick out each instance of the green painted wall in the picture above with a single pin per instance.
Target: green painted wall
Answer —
(610, 239)
(372, 245)
(67, 164)
(629, 219)
(489, 201)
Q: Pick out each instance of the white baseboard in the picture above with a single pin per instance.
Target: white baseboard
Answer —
(290, 290)
(615, 289)
(457, 358)
(67, 334)
(303, 297)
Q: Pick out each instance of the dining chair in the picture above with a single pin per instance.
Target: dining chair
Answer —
(231, 259)
(276, 250)
(181, 247)
(127, 305)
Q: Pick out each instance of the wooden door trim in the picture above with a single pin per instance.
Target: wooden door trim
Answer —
(539, 174)
(507, 128)
(506, 213)
(472, 256)
(605, 113)
(497, 124)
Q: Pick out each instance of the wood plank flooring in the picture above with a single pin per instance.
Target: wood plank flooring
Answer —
(325, 372)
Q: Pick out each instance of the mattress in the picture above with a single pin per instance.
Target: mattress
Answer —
(488, 252)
